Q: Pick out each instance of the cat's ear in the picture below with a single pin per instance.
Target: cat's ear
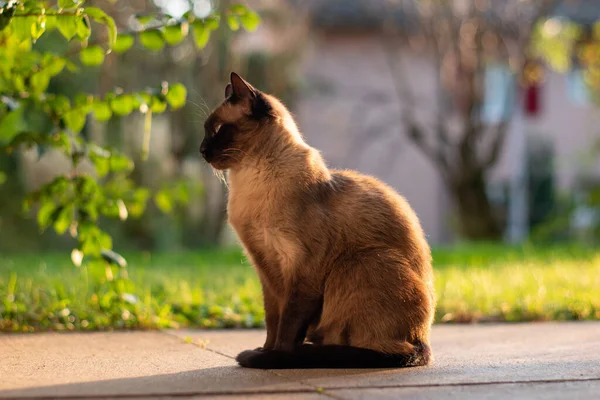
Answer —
(241, 88)
(228, 91)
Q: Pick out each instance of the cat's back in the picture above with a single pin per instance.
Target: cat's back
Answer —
(374, 214)
(366, 195)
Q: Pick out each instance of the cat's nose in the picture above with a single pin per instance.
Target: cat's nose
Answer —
(203, 148)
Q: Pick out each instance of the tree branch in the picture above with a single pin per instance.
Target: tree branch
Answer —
(496, 146)
(415, 133)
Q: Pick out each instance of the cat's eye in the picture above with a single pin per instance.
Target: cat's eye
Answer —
(217, 127)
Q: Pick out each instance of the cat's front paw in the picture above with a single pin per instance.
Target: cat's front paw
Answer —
(246, 358)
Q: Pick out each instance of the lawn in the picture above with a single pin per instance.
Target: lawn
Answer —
(219, 289)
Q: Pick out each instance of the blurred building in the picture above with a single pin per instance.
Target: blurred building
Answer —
(349, 105)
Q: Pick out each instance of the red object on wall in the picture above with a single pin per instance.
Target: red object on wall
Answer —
(532, 100)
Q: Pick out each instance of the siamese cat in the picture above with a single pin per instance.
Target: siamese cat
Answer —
(343, 262)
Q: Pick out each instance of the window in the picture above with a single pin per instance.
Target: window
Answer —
(499, 93)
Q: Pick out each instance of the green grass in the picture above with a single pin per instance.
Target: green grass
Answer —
(219, 289)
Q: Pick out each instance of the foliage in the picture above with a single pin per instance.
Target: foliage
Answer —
(566, 45)
(219, 289)
(31, 117)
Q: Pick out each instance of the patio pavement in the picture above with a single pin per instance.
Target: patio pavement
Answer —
(516, 361)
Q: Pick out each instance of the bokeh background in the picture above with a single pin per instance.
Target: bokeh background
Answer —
(484, 114)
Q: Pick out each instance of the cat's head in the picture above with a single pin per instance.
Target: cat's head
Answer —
(240, 126)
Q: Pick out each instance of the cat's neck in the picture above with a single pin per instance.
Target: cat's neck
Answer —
(283, 164)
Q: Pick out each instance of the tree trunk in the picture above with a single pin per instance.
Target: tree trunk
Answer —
(476, 220)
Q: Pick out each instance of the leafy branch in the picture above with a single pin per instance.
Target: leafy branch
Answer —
(30, 117)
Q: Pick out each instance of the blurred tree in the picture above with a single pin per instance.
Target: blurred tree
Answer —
(466, 38)
(32, 116)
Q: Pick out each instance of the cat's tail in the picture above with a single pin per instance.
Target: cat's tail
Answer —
(333, 356)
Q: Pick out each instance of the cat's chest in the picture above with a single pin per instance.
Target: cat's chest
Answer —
(262, 229)
(257, 212)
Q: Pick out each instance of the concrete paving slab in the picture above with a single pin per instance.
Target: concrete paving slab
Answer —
(550, 360)
(463, 354)
(113, 364)
(513, 391)
(259, 396)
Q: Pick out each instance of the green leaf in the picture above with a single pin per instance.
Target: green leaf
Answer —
(60, 104)
(64, 219)
(83, 99)
(93, 240)
(11, 124)
(122, 105)
(67, 25)
(163, 201)
(21, 27)
(102, 111)
(39, 81)
(92, 55)
(158, 105)
(238, 9)
(46, 212)
(83, 29)
(2, 177)
(27, 139)
(110, 209)
(102, 164)
(123, 43)
(138, 204)
(212, 22)
(54, 65)
(201, 34)
(38, 27)
(19, 81)
(120, 163)
(75, 119)
(50, 22)
(69, 3)
(100, 16)
(176, 95)
(233, 22)
(71, 66)
(174, 34)
(152, 39)
(63, 142)
(144, 19)
(250, 21)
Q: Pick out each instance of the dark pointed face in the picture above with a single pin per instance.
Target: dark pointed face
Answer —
(232, 129)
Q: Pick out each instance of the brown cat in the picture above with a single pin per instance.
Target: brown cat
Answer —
(344, 265)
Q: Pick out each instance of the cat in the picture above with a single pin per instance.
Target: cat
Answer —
(342, 259)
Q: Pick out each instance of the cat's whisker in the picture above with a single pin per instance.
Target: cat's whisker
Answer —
(219, 174)
(203, 109)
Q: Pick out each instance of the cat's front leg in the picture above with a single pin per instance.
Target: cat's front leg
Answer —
(272, 316)
(300, 306)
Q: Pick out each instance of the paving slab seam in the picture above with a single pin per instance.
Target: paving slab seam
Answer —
(290, 391)
(197, 345)
(177, 395)
(432, 385)
(310, 388)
